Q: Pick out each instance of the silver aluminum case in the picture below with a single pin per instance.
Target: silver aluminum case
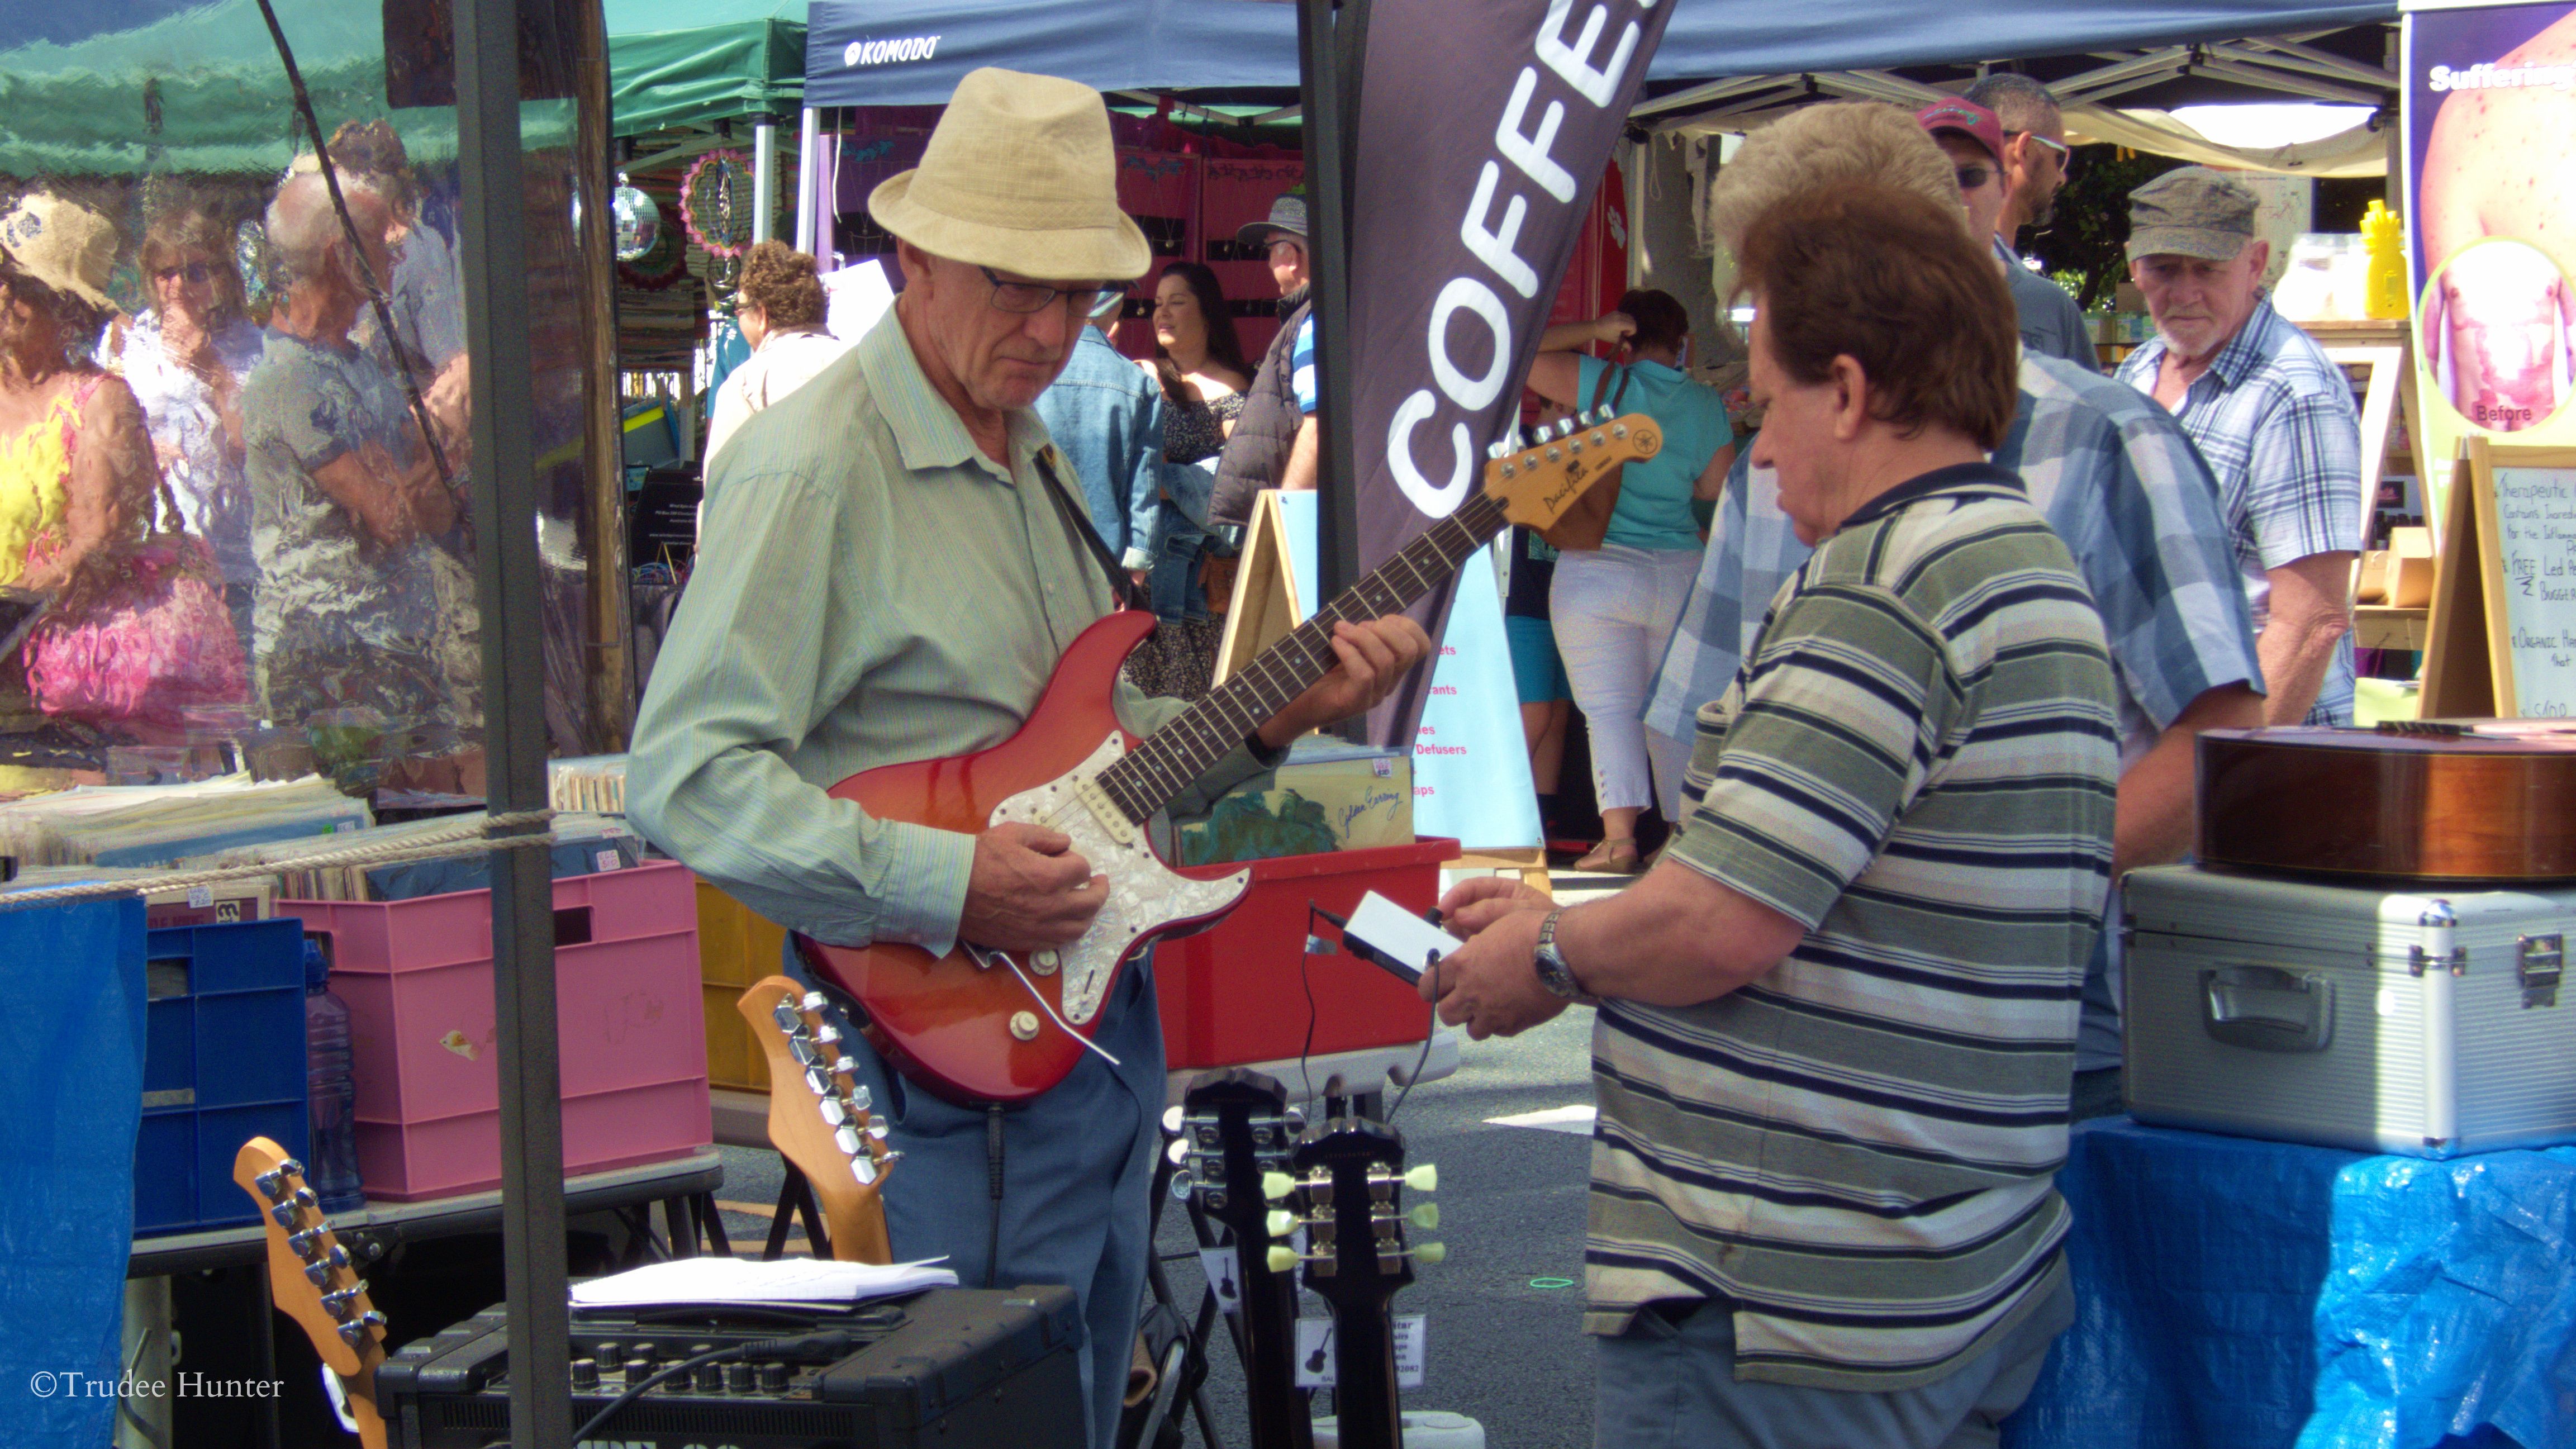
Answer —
(2423, 1022)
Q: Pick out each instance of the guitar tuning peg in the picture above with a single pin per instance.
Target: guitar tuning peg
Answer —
(859, 1095)
(1425, 1216)
(283, 1213)
(847, 1138)
(1431, 1255)
(355, 1331)
(306, 1243)
(864, 1168)
(786, 1017)
(827, 1036)
(1182, 1185)
(272, 1184)
(880, 1131)
(891, 1158)
(1178, 1152)
(291, 1167)
(1282, 1260)
(1425, 1178)
(1295, 1119)
(1276, 1185)
(1282, 1222)
(1172, 1120)
(813, 1001)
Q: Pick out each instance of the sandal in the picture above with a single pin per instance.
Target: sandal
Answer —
(1611, 857)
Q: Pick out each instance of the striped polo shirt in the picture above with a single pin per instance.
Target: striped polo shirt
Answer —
(1854, 1153)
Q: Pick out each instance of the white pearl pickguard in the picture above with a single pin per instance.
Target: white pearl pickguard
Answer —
(1145, 895)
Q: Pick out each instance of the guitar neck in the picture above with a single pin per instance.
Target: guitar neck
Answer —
(1183, 750)
(1365, 1402)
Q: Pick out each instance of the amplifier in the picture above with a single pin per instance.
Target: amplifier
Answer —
(952, 1367)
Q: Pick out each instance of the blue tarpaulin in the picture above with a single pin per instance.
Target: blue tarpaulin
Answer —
(912, 52)
(2235, 1294)
(71, 1097)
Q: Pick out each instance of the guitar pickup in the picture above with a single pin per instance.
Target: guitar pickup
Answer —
(1106, 811)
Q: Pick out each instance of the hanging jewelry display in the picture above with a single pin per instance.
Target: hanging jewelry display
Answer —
(715, 208)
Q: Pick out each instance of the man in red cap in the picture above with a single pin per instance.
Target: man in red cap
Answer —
(1973, 138)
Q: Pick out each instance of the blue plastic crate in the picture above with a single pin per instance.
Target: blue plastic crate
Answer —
(225, 1062)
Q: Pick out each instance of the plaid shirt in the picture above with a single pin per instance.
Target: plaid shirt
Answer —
(2274, 417)
(2119, 482)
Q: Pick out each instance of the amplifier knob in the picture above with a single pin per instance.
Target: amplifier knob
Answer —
(638, 1369)
(710, 1378)
(737, 1378)
(773, 1378)
(611, 1356)
(585, 1374)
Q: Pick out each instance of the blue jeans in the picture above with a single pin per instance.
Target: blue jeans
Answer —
(1078, 1178)
(1174, 584)
(1667, 1384)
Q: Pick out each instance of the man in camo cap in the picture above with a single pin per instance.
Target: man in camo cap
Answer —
(2273, 416)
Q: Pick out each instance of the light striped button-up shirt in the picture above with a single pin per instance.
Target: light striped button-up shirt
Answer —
(2274, 417)
(875, 590)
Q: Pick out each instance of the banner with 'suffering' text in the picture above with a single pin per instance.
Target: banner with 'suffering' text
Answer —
(1484, 127)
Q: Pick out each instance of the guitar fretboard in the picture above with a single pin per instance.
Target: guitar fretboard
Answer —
(1208, 731)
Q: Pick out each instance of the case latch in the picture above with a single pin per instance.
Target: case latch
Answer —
(2417, 960)
(2540, 958)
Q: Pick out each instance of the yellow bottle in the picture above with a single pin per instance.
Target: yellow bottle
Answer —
(2384, 234)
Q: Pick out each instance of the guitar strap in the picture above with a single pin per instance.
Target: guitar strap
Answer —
(1122, 590)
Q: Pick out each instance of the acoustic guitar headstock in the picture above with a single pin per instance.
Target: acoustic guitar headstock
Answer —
(1540, 477)
(820, 1116)
(312, 1279)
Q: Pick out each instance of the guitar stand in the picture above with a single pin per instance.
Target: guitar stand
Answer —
(795, 1201)
(1194, 1364)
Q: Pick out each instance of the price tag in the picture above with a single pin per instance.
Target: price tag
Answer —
(607, 860)
(201, 897)
(1219, 1265)
(1315, 1351)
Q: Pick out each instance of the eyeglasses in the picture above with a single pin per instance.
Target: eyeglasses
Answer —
(1973, 177)
(196, 273)
(1294, 248)
(2065, 153)
(1027, 297)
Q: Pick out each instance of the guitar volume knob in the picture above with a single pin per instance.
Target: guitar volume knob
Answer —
(1024, 1025)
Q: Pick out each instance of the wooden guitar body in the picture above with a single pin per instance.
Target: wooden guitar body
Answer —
(2498, 805)
(955, 1025)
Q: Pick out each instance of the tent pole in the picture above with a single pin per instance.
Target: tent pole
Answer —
(808, 147)
(764, 177)
(493, 241)
(1328, 61)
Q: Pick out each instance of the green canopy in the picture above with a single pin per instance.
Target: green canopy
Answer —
(687, 62)
(201, 92)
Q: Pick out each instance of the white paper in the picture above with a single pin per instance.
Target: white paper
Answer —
(790, 1281)
(1315, 1351)
(854, 297)
(1219, 1265)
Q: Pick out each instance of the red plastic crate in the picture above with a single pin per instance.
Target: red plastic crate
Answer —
(417, 976)
(1237, 994)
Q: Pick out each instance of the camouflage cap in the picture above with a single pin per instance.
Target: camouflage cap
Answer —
(2193, 212)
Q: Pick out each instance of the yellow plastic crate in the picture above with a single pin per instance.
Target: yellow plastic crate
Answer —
(735, 949)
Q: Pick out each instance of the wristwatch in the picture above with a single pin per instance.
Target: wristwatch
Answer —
(1549, 962)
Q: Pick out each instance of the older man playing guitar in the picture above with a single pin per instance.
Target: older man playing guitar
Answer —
(897, 567)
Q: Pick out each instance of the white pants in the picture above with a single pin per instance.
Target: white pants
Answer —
(1614, 608)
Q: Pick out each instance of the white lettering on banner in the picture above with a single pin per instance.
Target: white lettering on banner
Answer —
(2488, 76)
(1596, 86)
(878, 52)
(1494, 248)
(1466, 294)
(1530, 152)
(1439, 501)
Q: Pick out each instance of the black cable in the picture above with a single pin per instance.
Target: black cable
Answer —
(993, 1184)
(1430, 1029)
(1306, 980)
(833, 1341)
(358, 249)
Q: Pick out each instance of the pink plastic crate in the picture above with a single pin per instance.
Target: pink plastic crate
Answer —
(417, 976)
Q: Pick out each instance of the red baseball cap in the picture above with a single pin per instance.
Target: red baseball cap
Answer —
(1968, 119)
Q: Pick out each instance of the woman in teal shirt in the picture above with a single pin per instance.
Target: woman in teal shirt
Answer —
(1615, 606)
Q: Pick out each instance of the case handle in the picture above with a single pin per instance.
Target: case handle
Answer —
(2268, 1009)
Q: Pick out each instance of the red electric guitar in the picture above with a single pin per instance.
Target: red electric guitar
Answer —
(979, 1025)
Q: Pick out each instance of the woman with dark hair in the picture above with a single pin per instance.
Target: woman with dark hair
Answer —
(1614, 607)
(135, 628)
(1199, 362)
(186, 358)
(779, 306)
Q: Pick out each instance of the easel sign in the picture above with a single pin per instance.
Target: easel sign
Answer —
(2384, 370)
(2503, 627)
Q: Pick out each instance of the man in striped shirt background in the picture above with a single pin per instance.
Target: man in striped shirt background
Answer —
(1837, 1021)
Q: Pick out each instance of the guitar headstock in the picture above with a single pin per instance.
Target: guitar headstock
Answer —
(1536, 483)
(819, 1114)
(310, 1274)
(1345, 1188)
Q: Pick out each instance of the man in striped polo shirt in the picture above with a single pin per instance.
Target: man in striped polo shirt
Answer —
(1837, 1020)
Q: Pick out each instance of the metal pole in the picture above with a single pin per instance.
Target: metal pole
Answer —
(764, 177)
(1328, 65)
(809, 151)
(494, 246)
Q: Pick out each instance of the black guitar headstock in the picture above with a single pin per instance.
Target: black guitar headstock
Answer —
(1233, 1132)
(1345, 1189)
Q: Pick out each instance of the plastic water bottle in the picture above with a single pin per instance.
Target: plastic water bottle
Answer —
(331, 1165)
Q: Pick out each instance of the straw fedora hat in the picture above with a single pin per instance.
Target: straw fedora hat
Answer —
(1020, 176)
(62, 244)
